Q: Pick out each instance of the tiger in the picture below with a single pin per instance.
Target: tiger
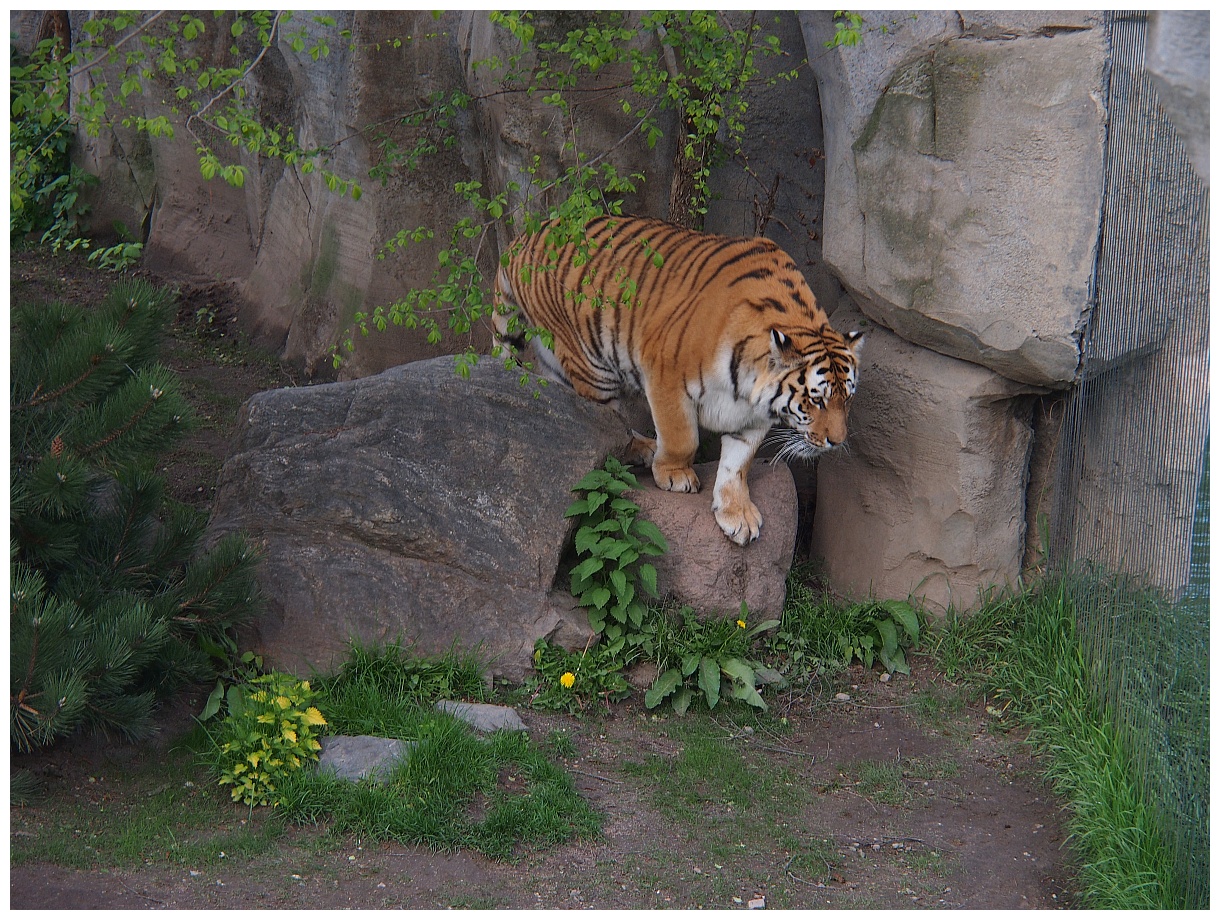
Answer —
(716, 331)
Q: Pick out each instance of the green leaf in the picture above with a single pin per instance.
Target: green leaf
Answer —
(906, 615)
(648, 577)
(690, 663)
(663, 686)
(586, 539)
(596, 598)
(212, 706)
(592, 481)
(889, 637)
(709, 681)
(738, 670)
(589, 567)
(748, 695)
(682, 701)
(762, 627)
(649, 532)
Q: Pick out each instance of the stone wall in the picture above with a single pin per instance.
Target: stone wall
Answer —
(941, 182)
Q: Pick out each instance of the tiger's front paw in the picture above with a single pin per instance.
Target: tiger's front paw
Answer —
(741, 521)
(675, 478)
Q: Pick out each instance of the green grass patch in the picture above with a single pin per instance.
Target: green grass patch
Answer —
(456, 790)
(731, 815)
(1026, 652)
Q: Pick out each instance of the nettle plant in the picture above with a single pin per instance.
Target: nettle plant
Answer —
(613, 540)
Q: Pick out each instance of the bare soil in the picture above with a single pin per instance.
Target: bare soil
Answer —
(965, 820)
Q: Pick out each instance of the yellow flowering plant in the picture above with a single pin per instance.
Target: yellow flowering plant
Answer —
(270, 730)
(570, 680)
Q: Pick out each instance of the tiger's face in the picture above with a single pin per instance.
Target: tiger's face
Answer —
(811, 395)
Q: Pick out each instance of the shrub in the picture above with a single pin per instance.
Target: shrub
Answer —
(112, 604)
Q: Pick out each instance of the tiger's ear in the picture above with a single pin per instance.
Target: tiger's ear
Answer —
(781, 346)
(855, 339)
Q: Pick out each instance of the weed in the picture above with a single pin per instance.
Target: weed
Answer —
(816, 631)
(706, 657)
(560, 744)
(570, 680)
(881, 782)
(611, 540)
(268, 733)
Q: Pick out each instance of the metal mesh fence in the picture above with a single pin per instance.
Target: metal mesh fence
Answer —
(1129, 531)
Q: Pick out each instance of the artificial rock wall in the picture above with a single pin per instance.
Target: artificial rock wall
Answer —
(941, 182)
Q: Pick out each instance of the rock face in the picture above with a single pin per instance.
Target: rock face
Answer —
(416, 505)
(710, 573)
(964, 180)
(1179, 62)
(928, 499)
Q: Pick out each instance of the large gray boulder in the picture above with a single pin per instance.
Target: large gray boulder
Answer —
(964, 179)
(415, 505)
(412, 505)
(928, 498)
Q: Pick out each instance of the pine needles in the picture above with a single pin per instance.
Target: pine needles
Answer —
(112, 602)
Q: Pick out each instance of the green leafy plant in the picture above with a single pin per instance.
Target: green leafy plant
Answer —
(816, 631)
(117, 258)
(611, 542)
(571, 680)
(269, 732)
(710, 658)
(847, 29)
(878, 630)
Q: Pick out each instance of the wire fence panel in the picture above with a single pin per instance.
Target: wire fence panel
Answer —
(1129, 528)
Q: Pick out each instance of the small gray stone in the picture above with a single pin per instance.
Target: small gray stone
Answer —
(357, 757)
(484, 717)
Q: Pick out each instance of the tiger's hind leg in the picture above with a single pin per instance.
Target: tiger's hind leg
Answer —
(641, 450)
(736, 514)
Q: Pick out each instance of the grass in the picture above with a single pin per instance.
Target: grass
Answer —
(1026, 651)
(456, 790)
(171, 813)
(733, 814)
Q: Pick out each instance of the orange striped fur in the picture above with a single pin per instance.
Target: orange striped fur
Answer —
(717, 332)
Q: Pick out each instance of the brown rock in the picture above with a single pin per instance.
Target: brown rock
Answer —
(705, 569)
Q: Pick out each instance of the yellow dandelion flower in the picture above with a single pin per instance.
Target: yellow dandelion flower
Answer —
(568, 679)
(741, 624)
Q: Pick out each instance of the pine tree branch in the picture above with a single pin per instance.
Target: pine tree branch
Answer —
(120, 431)
(36, 400)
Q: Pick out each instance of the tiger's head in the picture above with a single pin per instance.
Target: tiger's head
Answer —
(812, 380)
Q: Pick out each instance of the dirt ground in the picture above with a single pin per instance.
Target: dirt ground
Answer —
(968, 823)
